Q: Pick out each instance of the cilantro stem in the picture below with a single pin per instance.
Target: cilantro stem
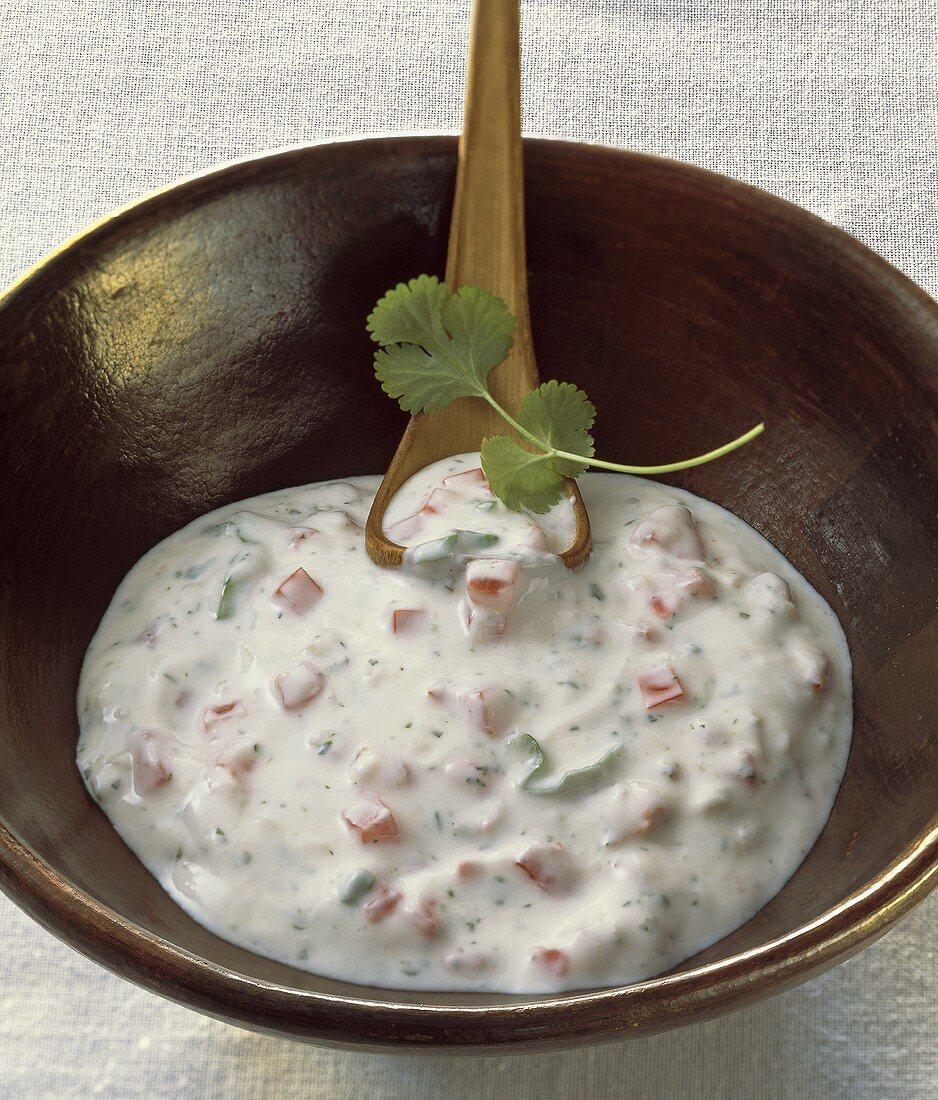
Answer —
(619, 467)
(523, 432)
(672, 467)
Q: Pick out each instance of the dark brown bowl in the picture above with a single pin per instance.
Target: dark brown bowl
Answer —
(209, 343)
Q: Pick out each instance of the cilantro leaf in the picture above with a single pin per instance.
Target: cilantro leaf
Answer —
(409, 312)
(556, 417)
(519, 477)
(560, 417)
(407, 373)
(482, 328)
(437, 347)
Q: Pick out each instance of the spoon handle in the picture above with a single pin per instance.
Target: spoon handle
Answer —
(486, 249)
(486, 241)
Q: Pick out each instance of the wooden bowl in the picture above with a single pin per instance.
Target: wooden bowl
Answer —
(209, 343)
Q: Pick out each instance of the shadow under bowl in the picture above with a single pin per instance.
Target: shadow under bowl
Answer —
(208, 344)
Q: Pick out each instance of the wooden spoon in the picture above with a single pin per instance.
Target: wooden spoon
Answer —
(486, 249)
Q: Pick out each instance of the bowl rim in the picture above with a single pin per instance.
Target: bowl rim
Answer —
(378, 1020)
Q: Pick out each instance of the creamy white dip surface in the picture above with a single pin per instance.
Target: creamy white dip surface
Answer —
(483, 771)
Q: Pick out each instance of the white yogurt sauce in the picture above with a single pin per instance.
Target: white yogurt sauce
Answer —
(483, 772)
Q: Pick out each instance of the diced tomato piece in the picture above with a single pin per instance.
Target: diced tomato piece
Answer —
(469, 869)
(643, 631)
(491, 582)
(814, 665)
(437, 501)
(664, 604)
(822, 676)
(150, 761)
(675, 590)
(660, 685)
(408, 620)
(480, 706)
(467, 481)
(301, 535)
(440, 692)
(298, 686)
(697, 583)
(212, 717)
(768, 592)
(485, 709)
(370, 765)
(424, 916)
(405, 528)
(651, 820)
(670, 530)
(381, 904)
(484, 624)
(299, 592)
(553, 960)
(373, 821)
(550, 867)
(536, 538)
(238, 757)
(491, 587)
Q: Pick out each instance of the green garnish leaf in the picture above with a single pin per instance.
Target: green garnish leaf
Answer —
(406, 314)
(560, 416)
(482, 328)
(520, 478)
(436, 347)
(576, 779)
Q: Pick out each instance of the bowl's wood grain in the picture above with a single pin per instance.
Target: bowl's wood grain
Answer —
(209, 344)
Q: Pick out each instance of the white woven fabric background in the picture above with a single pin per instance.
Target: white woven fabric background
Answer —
(830, 103)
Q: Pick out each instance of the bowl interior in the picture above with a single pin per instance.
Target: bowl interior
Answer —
(210, 345)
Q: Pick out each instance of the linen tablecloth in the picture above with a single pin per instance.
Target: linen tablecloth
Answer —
(830, 103)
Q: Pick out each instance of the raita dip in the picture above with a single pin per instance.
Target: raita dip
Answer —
(480, 772)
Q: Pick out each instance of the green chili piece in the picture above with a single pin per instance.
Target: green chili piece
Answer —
(357, 885)
(576, 779)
